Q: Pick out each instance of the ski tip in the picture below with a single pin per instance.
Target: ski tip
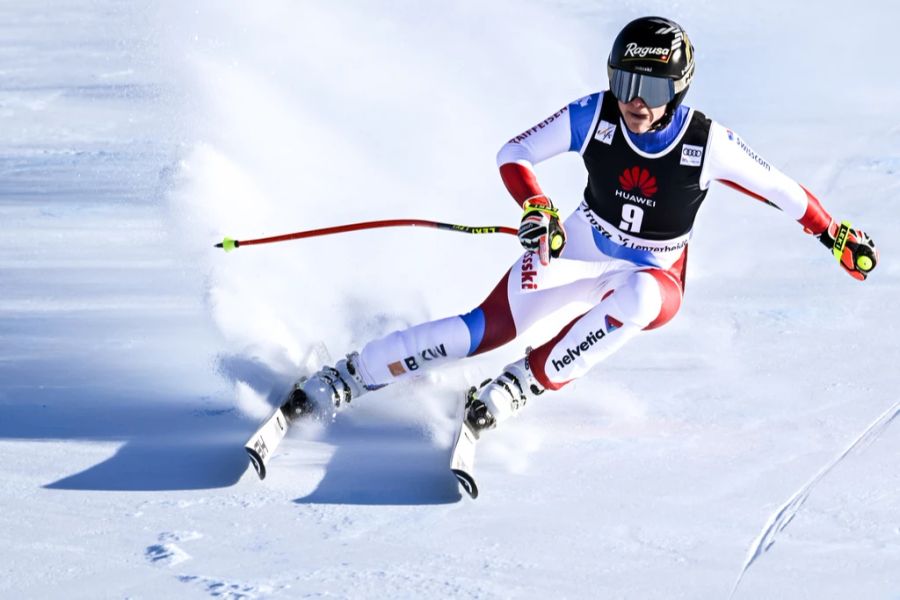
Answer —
(257, 462)
(467, 482)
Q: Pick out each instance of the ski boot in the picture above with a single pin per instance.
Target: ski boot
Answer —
(496, 400)
(324, 392)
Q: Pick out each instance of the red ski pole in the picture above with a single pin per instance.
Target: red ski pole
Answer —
(229, 244)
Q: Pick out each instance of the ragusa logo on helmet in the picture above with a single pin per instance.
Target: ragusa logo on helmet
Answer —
(632, 50)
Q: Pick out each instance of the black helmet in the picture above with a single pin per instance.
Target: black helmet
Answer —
(652, 58)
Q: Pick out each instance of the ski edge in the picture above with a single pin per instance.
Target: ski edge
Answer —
(467, 482)
(257, 461)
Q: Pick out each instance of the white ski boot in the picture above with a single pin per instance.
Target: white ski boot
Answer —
(501, 398)
(324, 392)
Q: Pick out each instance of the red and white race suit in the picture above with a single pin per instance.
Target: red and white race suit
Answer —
(622, 270)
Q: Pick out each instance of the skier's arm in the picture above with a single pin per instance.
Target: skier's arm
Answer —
(540, 229)
(731, 161)
(562, 131)
(518, 156)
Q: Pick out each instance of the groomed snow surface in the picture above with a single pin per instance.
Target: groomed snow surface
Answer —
(135, 359)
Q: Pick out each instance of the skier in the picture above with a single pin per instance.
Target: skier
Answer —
(618, 261)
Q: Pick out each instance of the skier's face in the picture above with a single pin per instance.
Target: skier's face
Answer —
(639, 117)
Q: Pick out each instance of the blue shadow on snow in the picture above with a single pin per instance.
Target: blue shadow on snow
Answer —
(384, 464)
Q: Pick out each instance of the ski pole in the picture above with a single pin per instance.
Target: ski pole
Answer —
(229, 244)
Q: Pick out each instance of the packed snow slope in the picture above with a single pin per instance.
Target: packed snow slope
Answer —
(135, 359)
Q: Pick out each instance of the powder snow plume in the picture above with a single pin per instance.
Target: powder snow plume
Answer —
(292, 128)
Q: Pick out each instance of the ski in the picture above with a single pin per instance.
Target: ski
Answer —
(263, 443)
(462, 460)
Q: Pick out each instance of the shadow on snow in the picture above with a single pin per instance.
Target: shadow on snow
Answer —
(170, 442)
(384, 464)
(182, 443)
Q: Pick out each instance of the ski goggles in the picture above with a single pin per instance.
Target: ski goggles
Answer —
(654, 91)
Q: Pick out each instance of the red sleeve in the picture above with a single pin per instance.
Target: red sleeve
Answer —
(520, 181)
(816, 219)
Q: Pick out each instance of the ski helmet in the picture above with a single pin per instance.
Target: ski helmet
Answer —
(653, 59)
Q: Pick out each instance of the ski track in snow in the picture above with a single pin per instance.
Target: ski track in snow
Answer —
(781, 518)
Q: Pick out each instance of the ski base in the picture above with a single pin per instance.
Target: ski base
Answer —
(462, 460)
(263, 443)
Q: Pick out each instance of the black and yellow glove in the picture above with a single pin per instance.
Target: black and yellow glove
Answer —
(540, 230)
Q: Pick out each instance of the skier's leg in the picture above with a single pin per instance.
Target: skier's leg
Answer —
(526, 294)
(398, 355)
(635, 301)
(643, 300)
